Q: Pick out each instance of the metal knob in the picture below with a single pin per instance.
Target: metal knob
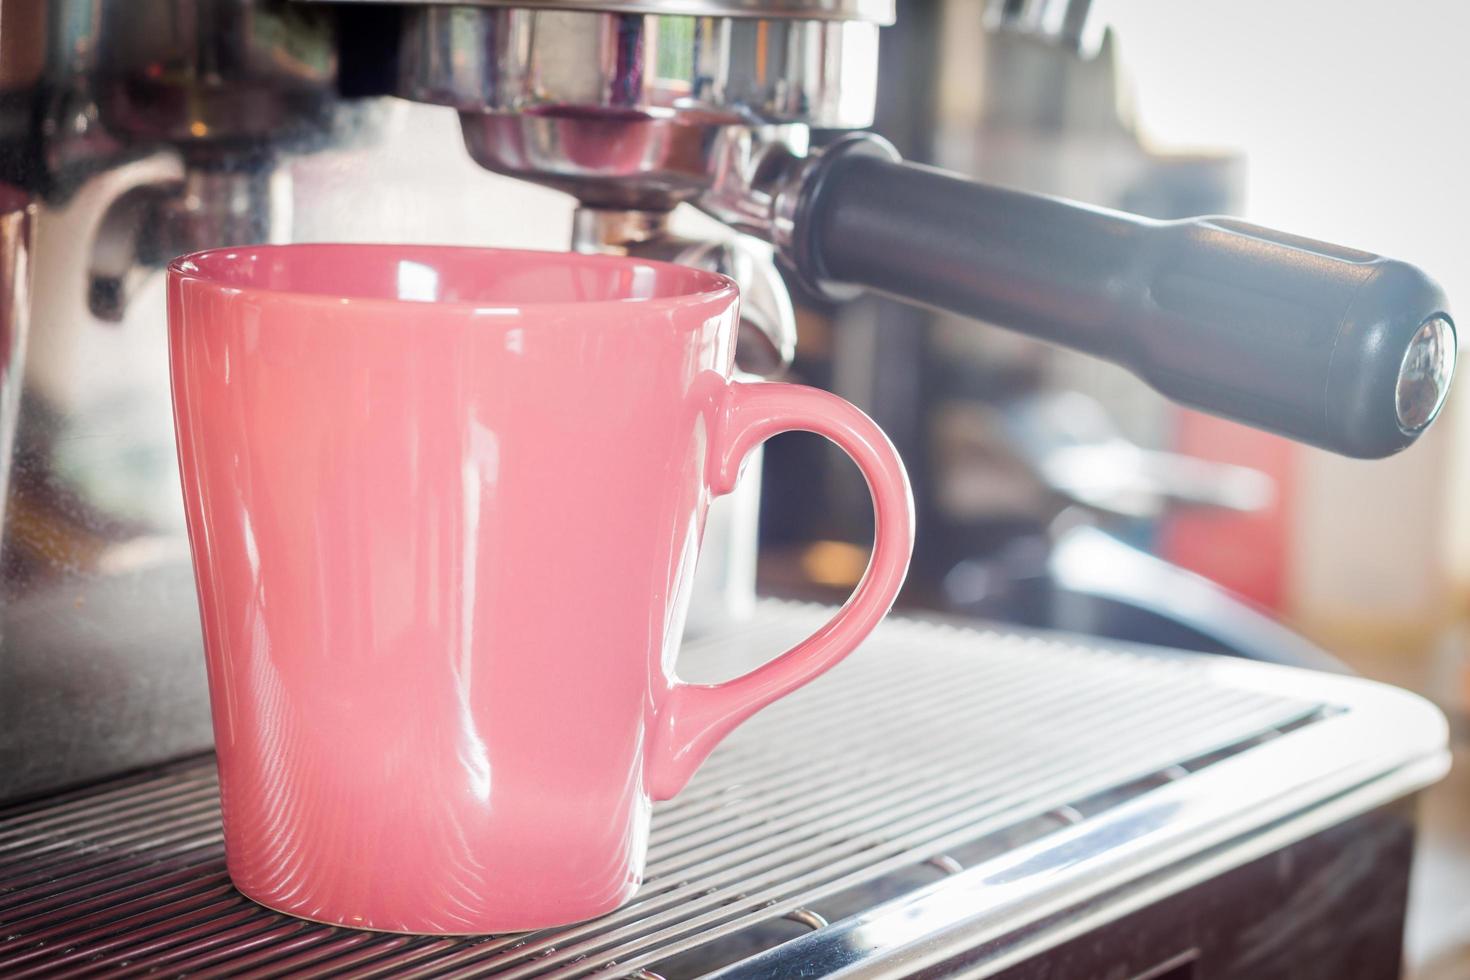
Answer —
(1425, 373)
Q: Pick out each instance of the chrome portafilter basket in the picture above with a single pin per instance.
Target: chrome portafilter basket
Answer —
(634, 108)
(641, 107)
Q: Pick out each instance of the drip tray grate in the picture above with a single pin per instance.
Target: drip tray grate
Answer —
(933, 750)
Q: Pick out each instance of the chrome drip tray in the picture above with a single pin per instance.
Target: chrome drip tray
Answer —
(944, 789)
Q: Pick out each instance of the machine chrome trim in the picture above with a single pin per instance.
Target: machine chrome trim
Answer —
(17, 220)
(880, 12)
(699, 71)
(1373, 745)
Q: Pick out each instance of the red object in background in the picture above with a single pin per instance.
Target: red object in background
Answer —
(1245, 553)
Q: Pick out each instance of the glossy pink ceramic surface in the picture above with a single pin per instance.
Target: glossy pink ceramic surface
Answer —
(445, 506)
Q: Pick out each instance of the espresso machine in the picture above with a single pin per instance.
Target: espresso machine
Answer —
(727, 134)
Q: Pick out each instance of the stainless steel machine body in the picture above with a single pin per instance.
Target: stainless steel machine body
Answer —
(936, 806)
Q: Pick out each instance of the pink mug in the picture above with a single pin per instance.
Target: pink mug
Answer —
(445, 505)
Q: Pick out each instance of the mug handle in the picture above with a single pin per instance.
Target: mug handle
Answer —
(695, 717)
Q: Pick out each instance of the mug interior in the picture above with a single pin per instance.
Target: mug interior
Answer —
(447, 274)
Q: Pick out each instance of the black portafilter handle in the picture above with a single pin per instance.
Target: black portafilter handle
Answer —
(1328, 345)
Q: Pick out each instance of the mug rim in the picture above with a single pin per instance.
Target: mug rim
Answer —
(704, 286)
